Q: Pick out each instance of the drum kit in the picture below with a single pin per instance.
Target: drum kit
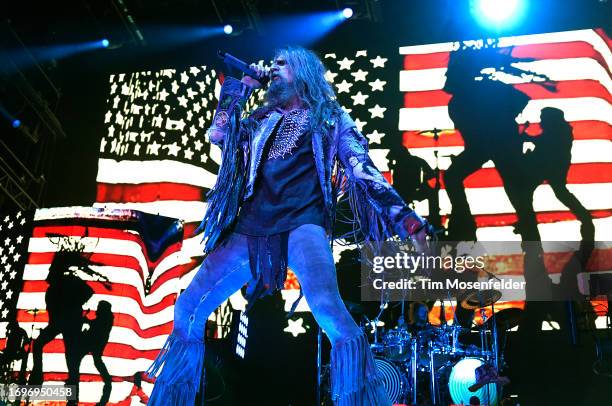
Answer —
(430, 365)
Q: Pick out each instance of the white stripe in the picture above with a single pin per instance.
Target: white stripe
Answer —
(120, 305)
(415, 80)
(135, 172)
(113, 246)
(583, 151)
(575, 109)
(588, 36)
(560, 231)
(126, 276)
(492, 200)
(188, 211)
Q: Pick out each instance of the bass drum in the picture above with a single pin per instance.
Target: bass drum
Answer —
(394, 380)
(462, 376)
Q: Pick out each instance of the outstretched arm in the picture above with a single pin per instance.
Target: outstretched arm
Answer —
(374, 190)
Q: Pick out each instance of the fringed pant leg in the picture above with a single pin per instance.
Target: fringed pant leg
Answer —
(355, 380)
(179, 366)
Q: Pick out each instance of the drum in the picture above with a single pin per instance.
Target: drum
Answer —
(396, 344)
(394, 379)
(462, 376)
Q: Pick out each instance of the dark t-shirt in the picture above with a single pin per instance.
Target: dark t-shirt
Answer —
(287, 193)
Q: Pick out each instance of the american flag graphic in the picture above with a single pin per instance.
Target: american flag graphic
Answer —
(578, 63)
(136, 261)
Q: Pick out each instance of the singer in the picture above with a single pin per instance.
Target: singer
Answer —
(273, 206)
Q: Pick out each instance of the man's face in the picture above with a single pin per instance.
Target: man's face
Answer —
(280, 70)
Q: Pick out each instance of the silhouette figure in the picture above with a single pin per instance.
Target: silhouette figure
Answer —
(484, 109)
(550, 161)
(95, 339)
(411, 179)
(15, 350)
(64, 300)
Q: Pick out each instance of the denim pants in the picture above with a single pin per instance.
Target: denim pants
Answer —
(355, 380)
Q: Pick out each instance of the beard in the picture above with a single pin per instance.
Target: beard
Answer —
(280, 93)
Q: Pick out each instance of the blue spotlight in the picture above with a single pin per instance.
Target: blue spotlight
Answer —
(228, 29)
(105, 43)
(16, 123)
(347, 13)
(498, 13)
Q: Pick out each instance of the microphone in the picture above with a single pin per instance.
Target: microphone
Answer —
(242, 66)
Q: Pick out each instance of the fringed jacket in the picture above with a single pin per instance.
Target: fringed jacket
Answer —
(343, 165)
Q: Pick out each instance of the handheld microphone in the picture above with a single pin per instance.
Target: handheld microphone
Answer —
(242, 66)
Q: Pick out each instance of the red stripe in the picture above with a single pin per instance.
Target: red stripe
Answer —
(510, 219)
(120, 320)
(111, 233)
(584, 173)
(565, 89)
(559, 50)
(117, 350)
(582, 130)
(148, 192)
(118, 289)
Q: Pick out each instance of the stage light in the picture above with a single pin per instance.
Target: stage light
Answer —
(228, 29)
(105, 43)
(347, 13)
(498, 13)
(16, 123)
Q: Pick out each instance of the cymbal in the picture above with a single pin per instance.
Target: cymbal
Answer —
(480, 298)
(506, 319)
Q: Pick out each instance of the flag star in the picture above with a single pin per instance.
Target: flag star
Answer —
(137, 149)
(173, 149)
(10, 225)
(4, 285)
(22, 222)
(182, 101)
(11, 249)
(378, 62)
(363, 52)
(4, 313)
(7, 219)
(7, 268)
(359, 75)
(197, 107)
(184, 77)
(113, 88)
(125, 89)
(13, 274)
(9, 294)
(344, 86)
(330, 76)
(175, 87)
(163, 95)
(153, 148)
(194, 70)
(203, 158)
(16, 256)
(198, 145)
(111, 131)
(188, 154)
(295, 327)
(332, 55)
(184, 139)
(189, 115)
(374, 137)
(377, 111)
(360, 124)
(19, 239)
(116, 101)
(108, 116)
(377, 85)
(7, 241)
(359, 98)
(18, 214)
(193, 131)
(345, 63)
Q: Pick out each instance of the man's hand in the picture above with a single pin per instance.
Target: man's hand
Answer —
(415, 228)
(262, 71)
